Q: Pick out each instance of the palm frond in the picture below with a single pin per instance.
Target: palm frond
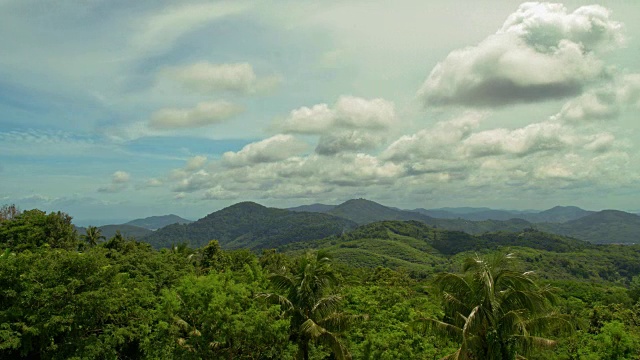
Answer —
(285, 303)
(341, 321)
(338, 349)
(441, 328)
(326, 305)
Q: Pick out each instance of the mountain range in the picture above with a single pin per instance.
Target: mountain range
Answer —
(253, 226)
(138, 228)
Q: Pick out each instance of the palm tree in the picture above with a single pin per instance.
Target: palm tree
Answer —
(313, 313)
(92, 236)
(494, 311)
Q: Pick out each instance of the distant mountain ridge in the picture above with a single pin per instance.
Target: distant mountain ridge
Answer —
(602, 227)
(157, 222)
(364, 211)
(252, 226)
(108, 231)
(608, 226)
(556, 214)
(313, 208)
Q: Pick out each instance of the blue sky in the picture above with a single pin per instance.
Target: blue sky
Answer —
(113, 110)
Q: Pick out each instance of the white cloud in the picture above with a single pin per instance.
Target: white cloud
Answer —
(600, 142)
(436, 143)
(349, 112)
(158, 32)
(207, 77)
(542, 25)
(603, 103)
(119, 182)
(521, 142)
(275, 148)
(120, 177)
(219, 193)
(153, 182)
(204, 114)
(542, 52)
(348, 141)
(195, 163)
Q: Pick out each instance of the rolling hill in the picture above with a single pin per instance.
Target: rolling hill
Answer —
(157, 222)
(423, 249)
(253, 226)
(558, 214)
(363, 211)
(322, 208)
(603, 227)
(108, 231)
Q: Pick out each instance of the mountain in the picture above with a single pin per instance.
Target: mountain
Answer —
(253, 226)
(558, 214)
(603, 227)
(108, 231)
(476, 214)
(157, 222)
(364, 211)
(321, 208)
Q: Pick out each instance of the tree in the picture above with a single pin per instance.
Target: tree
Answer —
(9, 212)
(93, 235)
(494, 311)
(35, 228)
(312, 311)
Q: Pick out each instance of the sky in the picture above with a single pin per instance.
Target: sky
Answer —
(112, 110)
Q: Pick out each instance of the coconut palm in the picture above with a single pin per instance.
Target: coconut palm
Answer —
(93, 236)
(313, 312)
(494, 311)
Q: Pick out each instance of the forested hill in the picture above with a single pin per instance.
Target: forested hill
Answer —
(157, 222)
(127, 230)
(253, 226)
(557, 214)
(364, 211)
(603, 227)
(421, 250)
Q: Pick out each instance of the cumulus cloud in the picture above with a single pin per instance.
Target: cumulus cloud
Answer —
(204, 114)
(348, 141)
(195, 163)
(521, 142)
(207, 77)
(602, 103)
(219, 193)
(435, 143)
(119, 182)
(541, 52)
(275, 148)
(150, 183)
(349, 113)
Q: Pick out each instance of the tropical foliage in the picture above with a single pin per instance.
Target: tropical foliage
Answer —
(122, 299)
(495, 312)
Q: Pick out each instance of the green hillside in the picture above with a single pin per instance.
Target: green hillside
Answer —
(252, 226)
(126, 230)
(157, 222)
(603, 227)
(423, 250)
